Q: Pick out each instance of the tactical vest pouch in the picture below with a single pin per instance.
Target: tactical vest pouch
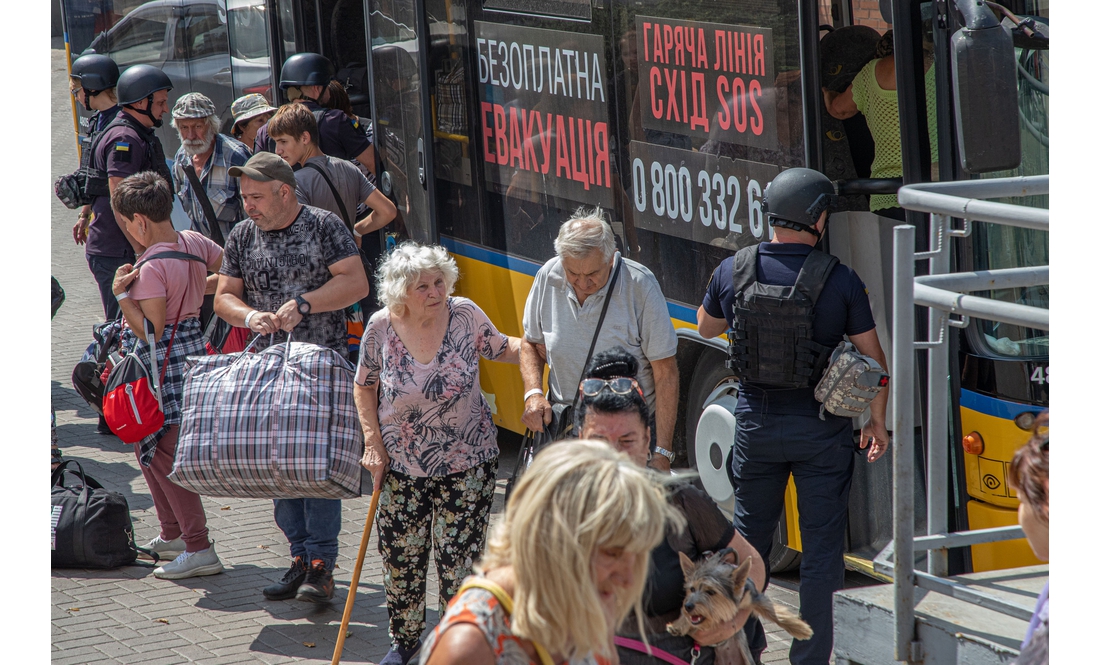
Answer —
(771, 343)
(850, 383)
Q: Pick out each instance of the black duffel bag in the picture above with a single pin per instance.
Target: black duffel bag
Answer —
(91, 526)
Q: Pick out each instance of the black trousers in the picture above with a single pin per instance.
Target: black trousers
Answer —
(103, 269)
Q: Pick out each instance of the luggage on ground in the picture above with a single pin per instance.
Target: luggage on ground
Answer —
(280, 423)
(90, 526)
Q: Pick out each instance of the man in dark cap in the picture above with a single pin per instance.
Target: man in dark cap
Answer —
(292, 267)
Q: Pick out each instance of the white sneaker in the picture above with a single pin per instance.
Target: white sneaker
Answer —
(165, 549)
(191, 564)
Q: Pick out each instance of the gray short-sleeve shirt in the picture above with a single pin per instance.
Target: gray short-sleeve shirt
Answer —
(637, 319)
(349, 181)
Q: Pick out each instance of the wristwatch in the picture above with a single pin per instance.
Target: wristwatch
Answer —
(667, 453)
(303, 305)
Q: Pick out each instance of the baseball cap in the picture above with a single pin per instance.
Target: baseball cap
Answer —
(193, 105)
(265, 167)
(249, 106)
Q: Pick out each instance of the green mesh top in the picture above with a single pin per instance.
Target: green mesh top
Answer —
(880, 107)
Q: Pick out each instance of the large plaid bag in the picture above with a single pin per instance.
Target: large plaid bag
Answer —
(279, 424)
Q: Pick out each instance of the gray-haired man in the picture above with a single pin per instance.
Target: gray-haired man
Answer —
(210, 155)
(560, 318)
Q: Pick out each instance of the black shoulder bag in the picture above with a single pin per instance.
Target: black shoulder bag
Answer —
(214, 329)
(336, 195)
(562, 418)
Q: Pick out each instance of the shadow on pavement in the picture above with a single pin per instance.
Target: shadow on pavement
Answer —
(293, 640)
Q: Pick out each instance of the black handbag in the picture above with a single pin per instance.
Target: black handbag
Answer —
(88, 373)
(90, 526)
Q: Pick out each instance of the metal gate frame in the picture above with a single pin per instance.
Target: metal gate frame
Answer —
(945, 294)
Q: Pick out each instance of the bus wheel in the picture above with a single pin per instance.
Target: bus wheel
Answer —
(711, 402)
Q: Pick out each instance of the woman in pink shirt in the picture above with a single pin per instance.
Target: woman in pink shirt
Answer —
(167, 294)
(429, 431)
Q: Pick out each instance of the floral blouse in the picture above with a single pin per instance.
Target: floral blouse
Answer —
(481, 608)
(434, 419)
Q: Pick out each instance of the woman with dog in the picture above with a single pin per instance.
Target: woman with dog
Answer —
(613, 409)
(430, 439)
(1029, 477)
(557, 596)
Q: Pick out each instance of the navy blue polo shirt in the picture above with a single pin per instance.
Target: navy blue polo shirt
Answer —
(340, 136)
(842, 309)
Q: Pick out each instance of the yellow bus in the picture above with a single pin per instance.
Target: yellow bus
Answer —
(496, 119)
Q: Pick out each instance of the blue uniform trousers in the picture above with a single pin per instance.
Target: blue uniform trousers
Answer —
(768, 448)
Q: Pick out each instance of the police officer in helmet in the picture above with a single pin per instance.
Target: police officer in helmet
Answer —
(92, 81)
(305, 78)
(788, 305)
(127, 145)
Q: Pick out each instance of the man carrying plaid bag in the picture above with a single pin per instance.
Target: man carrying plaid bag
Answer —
(291, 267)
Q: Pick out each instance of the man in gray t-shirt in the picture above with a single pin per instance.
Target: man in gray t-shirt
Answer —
(560, 318)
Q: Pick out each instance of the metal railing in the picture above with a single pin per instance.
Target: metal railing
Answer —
(945, 294)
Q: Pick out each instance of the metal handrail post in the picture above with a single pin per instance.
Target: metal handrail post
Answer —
(939, 363)
(903, 378)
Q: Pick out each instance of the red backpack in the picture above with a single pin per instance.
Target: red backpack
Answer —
(132, 402)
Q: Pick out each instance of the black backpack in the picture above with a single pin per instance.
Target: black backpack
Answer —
(90, 526)
(88, 373)
(771, 344)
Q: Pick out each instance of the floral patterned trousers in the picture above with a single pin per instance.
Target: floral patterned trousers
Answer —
(449, 513)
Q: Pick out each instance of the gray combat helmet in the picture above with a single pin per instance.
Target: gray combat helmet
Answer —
(795, 199)
(95, 72)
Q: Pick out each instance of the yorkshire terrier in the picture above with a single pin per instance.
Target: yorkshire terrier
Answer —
(717, 589)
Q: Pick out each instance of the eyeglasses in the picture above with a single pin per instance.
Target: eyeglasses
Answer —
(620, 385)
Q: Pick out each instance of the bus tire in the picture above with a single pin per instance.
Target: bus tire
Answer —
(710, 375)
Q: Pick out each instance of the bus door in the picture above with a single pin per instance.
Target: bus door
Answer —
(399, 46)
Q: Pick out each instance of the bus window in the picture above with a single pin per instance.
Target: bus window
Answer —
(137, 40)
(250, 55)
(997, 246)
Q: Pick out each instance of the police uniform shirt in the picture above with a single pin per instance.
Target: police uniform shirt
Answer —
(842, 309)
(121, 153)
(339, 135)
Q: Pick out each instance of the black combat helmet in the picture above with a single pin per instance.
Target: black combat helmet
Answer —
(95, 72)
(795, 199)
(140, 82)
(306, 69)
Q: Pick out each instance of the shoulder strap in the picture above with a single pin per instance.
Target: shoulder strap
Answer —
(172, 254)
(815, 271)
(743, 268)
(204, 202)
(599, 324)
(506, 603)
(335, 194)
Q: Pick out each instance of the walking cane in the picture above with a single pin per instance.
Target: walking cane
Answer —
(355, 577)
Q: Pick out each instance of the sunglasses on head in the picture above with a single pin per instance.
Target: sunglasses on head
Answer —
(620, 385)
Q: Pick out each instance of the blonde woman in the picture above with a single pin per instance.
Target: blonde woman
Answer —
(565, 566)
(430, 439)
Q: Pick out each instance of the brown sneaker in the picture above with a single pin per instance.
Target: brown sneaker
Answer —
(319, 586)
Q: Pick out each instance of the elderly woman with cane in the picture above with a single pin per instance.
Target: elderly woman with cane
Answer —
(430, 439)
(565, 566)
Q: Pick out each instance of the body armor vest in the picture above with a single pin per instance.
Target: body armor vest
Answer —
(771, 344)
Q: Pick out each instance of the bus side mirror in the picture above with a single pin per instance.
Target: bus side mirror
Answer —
(987, 113)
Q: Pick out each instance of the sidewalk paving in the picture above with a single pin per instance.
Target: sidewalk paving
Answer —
(128, 616)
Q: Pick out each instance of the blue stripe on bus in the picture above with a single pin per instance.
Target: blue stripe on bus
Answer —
(493, 258)
(992, 406)
(501, 260)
